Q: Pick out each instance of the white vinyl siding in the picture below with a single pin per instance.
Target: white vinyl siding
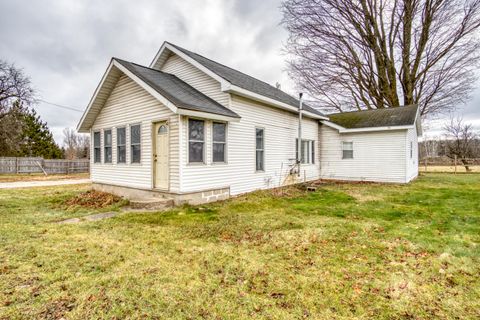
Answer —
(129, 104)
(377, 156)
(196, 78)
(281, 128)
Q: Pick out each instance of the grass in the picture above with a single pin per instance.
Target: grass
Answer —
(40, 177)
(346, 251)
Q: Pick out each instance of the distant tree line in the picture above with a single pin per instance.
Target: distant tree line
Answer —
(459, 141)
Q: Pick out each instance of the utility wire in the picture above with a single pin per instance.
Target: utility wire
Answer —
(60, 106)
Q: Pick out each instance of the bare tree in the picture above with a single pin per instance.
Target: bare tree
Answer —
(461, 141)
(384, 53)
(14, 87)
(76, 145)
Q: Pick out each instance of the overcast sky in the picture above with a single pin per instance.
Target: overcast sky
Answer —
(65, 46)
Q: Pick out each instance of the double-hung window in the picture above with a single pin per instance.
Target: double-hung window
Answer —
(259, 149)
(107, 146)
(219, 141)
(411, 149)
(135, 144)
(121, 145)
(347, 150)
(196, 141)
(97, 149)
(307, 151)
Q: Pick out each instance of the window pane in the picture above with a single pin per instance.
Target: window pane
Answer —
(195, 130)
(108, 154)
(108, 138)
(219, 132)
(259, 160)
(96, 139)
(259, 138)
(121, 154)
(121, 136)
(195, 151)
(313, 151)
(218, 152)
(135, 134)
(135, 153)
(347, 145)
(97, 156)
(347, 154)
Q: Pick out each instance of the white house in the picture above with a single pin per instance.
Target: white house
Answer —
(194, 130)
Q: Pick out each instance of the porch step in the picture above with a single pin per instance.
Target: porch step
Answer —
(152, 203)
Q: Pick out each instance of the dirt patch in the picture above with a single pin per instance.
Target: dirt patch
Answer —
(93, 199)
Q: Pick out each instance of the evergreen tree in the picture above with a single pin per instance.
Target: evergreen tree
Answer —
(37, 140)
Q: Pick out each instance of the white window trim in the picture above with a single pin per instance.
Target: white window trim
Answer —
(100, 146)
(343, 149)
(130, 154)
(255, 144)
(204, 160)
(125, 145)
(225, 156)
(310, 160)
(111, 146)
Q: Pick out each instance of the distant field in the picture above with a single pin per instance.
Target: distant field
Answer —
(447, 168)
(345, 251)
(40, 177)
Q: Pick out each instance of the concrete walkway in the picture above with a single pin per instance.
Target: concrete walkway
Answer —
(46, 183)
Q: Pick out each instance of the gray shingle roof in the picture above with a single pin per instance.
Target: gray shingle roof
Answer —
(245, 81)
(177, 91)
(390, 117)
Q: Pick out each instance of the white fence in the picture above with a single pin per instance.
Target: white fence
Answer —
(12, 165)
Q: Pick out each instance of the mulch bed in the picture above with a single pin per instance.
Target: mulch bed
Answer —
(93, 199)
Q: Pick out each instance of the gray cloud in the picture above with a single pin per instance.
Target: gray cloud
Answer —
(65, 46)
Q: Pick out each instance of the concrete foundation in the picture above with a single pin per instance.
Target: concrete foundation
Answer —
(198, 197)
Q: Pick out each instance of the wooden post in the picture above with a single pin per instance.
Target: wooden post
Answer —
(455, 164)
(425, 164)
(16, 165)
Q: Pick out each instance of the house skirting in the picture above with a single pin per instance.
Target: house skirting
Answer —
(196, 197)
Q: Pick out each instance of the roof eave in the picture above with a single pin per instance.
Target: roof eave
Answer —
(207, 115)
(229, 88)
(366, 129)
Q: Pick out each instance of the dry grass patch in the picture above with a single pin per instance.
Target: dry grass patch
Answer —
(41, 177)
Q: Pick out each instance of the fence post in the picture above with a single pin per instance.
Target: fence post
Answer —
(16, 165)
(455, 164)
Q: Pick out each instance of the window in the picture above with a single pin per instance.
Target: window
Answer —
(307, 152)
(411, 149)
(135, 146)
(196, 140)
(107, 146)
(97, 150)
(347, 150)
(121, 146)
(163, 129)
(219, 141)
(259, 149)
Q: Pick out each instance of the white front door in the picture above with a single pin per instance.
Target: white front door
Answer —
(160, 155)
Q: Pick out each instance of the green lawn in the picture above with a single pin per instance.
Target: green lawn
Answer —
(346, 251)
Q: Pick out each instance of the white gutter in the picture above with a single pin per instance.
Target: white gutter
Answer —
(369, 129)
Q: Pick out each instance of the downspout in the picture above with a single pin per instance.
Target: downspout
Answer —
(299, 144)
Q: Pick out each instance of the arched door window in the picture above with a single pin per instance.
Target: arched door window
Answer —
(163, 129)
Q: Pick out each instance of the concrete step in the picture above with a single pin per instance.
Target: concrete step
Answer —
(151, 203)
